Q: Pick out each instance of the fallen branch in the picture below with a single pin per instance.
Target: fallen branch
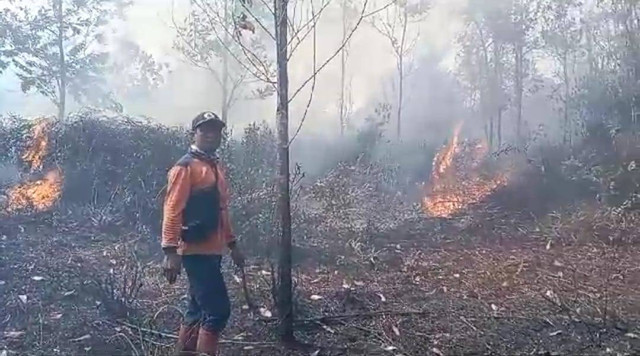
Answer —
(570, 314)
(363, 315)
(464, 320)
(174, 336)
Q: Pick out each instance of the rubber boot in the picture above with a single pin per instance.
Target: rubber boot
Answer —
(187, 340)
(207, 343)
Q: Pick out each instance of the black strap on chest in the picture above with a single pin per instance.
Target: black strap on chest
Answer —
(201, 215)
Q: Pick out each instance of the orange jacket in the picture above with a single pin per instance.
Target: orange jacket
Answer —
(196, 174)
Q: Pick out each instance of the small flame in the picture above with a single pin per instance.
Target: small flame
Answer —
(41, 194)
(456, 181)
(38, 148)
(443, 159)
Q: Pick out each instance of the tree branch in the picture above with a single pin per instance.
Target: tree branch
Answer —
(312, 21)
(372, 13)
(232, 93)
(248, 53)
(315, 72)
(273, 14)
(313, 85)
(260, 76)
(258, 21)
(192, 60)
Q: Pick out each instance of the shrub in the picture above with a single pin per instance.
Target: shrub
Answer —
(116, 166)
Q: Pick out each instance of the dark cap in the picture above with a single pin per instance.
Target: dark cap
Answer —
(206, 116)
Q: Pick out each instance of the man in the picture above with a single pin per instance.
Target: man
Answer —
(196, 231)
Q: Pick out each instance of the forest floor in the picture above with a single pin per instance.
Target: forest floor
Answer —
(69, 289)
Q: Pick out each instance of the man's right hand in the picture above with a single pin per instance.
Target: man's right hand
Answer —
(171, 266)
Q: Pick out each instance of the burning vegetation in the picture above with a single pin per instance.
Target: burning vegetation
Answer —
(460, 177)
(40, 194)
(367, 262)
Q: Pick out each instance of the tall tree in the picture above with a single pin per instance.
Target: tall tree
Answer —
(394, 24)
(562, 34)
(293, 22)
(501, 37)
(58, 47)
(285, 292)
(206, 40)
(133, 74)
(4, 35)
(525, 19)
(348, 12)
(483, 60)
(623, 57)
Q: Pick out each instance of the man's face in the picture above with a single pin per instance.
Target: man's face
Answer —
(208, 136)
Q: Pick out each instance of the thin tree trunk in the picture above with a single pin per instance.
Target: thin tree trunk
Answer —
(499, 128)
(342, 94)
(589, 48)
(225, 67)
(565, 73)
(285, 287)
(519, 90)
(400, 95)
(401, 50)
(343, 65)
(225, 89)
(62, 87)
(483, 91)
(497, 95)
(491, 131)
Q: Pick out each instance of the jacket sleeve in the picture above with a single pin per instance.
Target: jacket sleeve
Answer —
(178, 190)
(227, 229)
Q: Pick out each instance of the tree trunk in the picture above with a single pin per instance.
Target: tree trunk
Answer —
(343, 69)
(519, 90)
(400, 94)
(224, 109)
(491, 131)
(62, 84)
(342, 94)
(497, 96)
(285, 287)
(499, 128)
(401, 50)
(484, 86)
(565, 73)
(589, 47)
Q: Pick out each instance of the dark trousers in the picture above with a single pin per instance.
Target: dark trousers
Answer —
(208, 298)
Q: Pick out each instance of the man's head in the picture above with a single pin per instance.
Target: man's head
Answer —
(207, 131)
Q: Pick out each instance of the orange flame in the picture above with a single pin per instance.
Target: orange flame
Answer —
(38, 148)
(456, 180)
(41, 194)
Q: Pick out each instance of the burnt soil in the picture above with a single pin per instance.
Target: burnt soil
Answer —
(70, 289)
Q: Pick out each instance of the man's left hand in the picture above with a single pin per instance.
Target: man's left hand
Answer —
(237, 256)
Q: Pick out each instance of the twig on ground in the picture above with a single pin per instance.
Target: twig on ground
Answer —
(464, 320)
(163, 308)
(135, 351)
(363, 315)
(174, 336)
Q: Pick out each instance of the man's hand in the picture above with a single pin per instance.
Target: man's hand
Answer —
(237, 256)
(171, 266)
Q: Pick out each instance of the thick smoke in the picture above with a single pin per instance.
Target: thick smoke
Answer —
(433, 101)
(187, 89)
